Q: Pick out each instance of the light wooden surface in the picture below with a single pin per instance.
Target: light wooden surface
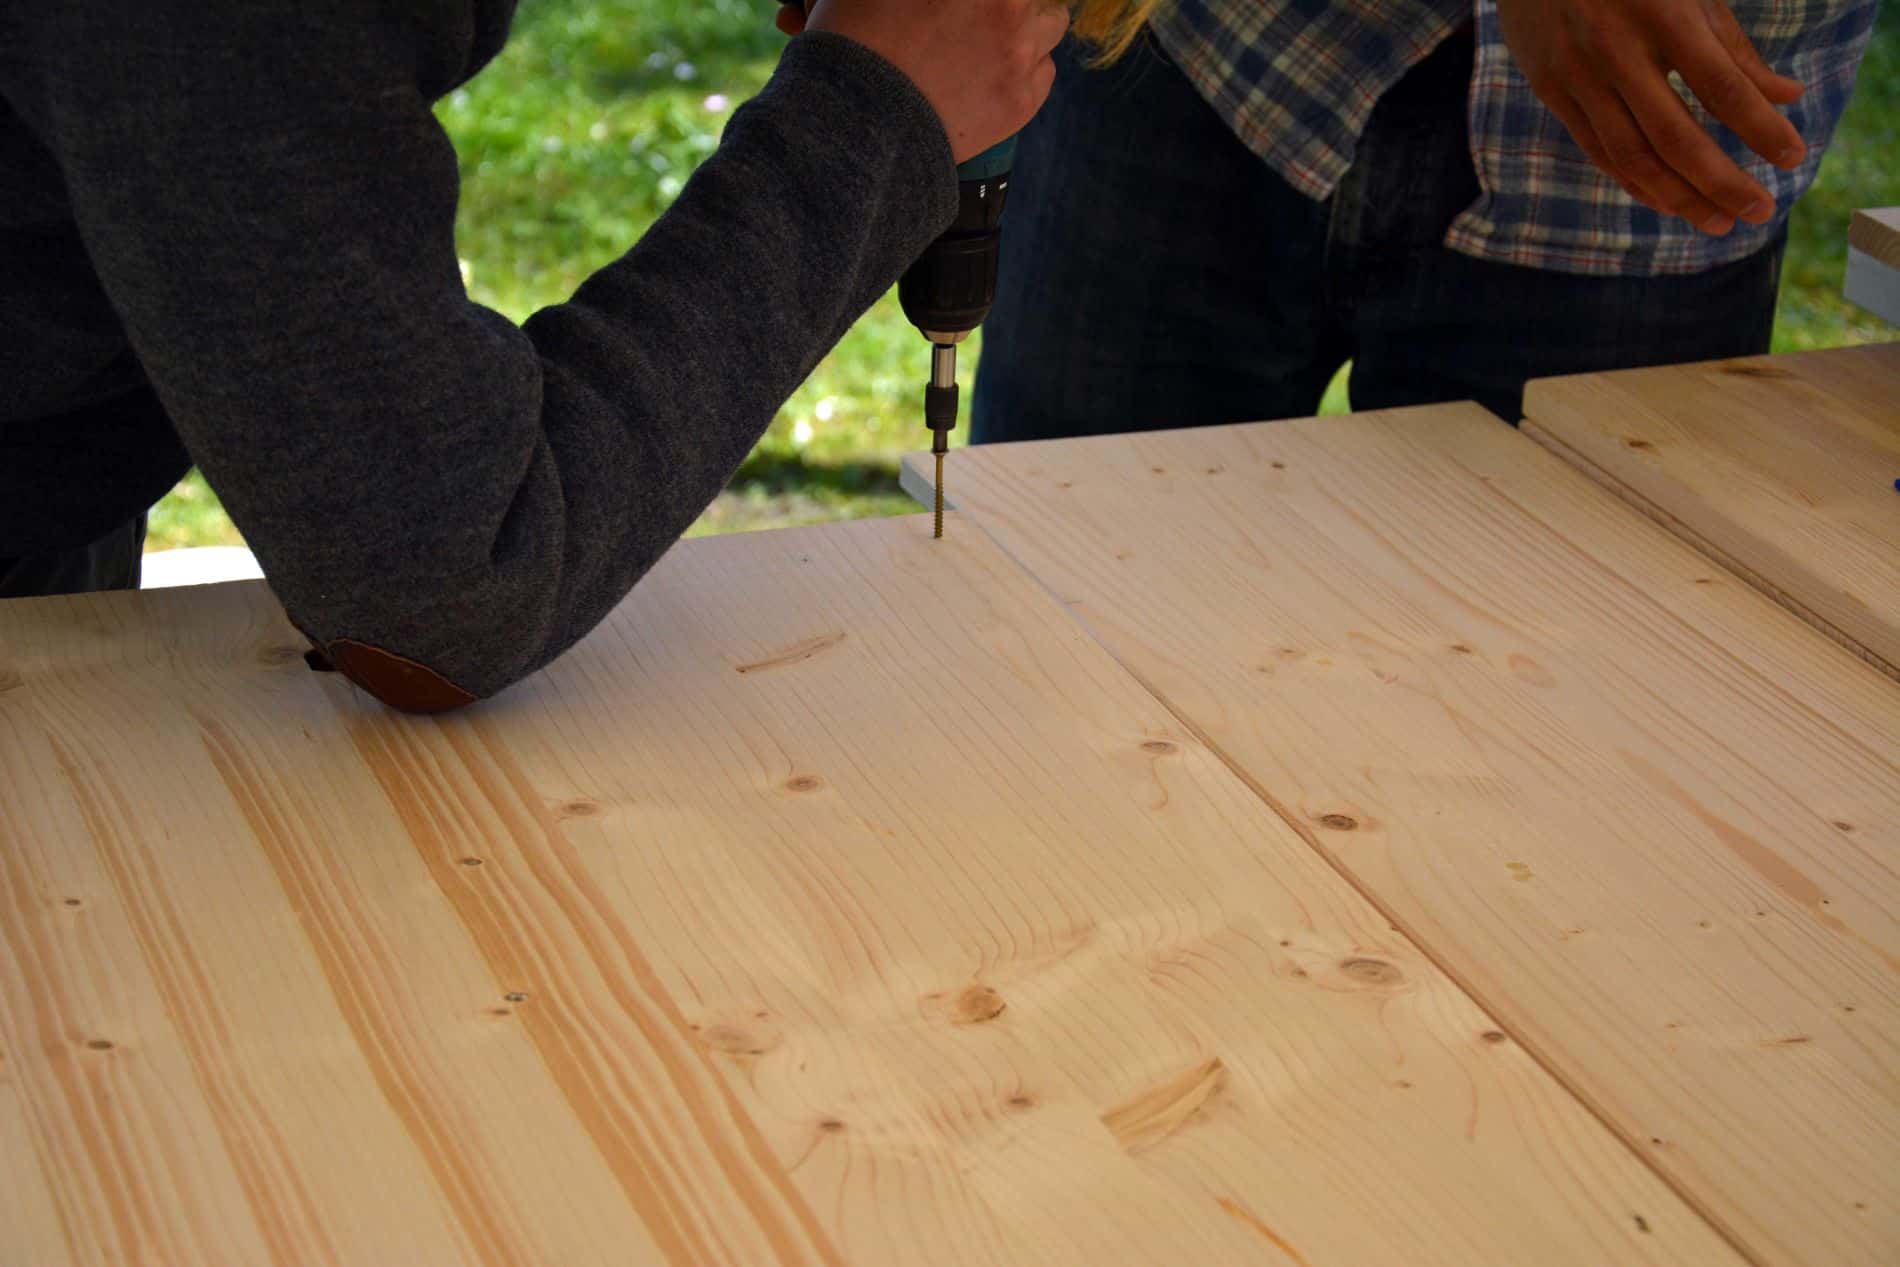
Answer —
(838, 902)
(1873, 262)
(1780, 468)
(1645, 815)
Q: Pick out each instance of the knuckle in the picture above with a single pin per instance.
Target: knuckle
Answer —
(1724, 93)
(1568, 66)
(1627, 153)
(1676, 136)
(1592, 40)
(1640, 166)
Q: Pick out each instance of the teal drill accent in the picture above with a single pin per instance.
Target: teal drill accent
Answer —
(993, 162)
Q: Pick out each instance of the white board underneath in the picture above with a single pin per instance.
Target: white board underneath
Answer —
(1873, 285)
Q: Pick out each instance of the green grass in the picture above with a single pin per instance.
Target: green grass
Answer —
(1862, 169)
(584, 129)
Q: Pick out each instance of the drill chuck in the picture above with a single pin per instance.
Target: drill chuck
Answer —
(940, 395)
(947, 292)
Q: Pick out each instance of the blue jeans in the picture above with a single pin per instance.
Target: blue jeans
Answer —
(1155, 273)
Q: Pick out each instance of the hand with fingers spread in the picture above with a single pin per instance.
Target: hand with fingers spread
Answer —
(1602, 67)
(983, 64)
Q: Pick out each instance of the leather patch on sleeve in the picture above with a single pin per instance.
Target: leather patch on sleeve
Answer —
(395, 680)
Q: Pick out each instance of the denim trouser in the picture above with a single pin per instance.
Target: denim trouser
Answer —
(1156, 273)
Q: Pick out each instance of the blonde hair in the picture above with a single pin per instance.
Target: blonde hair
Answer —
(1110, 25)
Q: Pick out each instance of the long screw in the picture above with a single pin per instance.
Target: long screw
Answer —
(939, 532)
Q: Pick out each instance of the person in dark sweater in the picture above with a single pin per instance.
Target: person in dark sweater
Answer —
(227, 237)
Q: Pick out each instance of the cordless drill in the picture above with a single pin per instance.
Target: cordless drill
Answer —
(947, 292)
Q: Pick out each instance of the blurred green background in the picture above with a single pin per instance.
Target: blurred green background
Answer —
(584, 129)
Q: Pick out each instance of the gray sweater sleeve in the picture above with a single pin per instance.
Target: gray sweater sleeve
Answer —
(443, 500)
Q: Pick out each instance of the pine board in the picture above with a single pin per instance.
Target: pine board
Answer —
(1780, 468)
(839, 901)
(1647, 817)
(1873, 262)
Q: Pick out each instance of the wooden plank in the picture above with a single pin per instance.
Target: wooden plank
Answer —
(1647, 817)
(303, 1059)
(1877, 232)
(1873, 262)
(1781, 469)
(838, 902)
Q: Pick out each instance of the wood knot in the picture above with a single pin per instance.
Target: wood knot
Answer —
(99, 1044)
(1022, 1100)
(830, 1125)
(579, 807)
(1493, 1036)
(1157, 470)
(975, 1005)
(73, 901)
(736, 1040)
(516, 996)
(470, 861)
(1461, 648)
(1277, 465)
(1339, 822)
(1635, 442)
(1160, 747)
(1841, 824)
(804, 783)
(1372, 971)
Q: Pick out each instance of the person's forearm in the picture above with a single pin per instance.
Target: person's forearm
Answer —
(270, 206)
(664, 369)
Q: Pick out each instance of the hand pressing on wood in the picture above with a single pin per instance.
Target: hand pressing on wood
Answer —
(982, 64)
(1602, 66)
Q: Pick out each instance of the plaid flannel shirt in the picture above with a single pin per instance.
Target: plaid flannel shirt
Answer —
(1297, 80)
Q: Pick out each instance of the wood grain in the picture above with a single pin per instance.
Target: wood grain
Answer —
(838, 902)
(1781, 469)
(1647, 817)
(1876, 232)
